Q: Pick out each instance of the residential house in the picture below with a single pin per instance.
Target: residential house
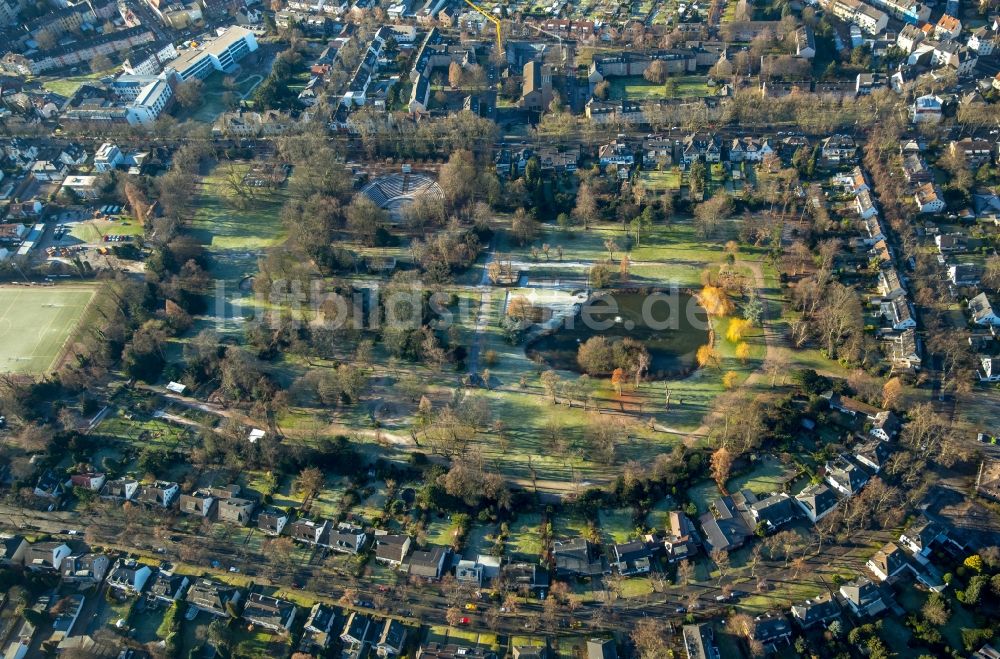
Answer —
(316, 633)
(488, 565)
(929, 198)
(618, 153)
(699, 641)
(947, 28)
(983, 312)
(49, 486)
(964, 274)
(527, 575)
(773, 511)
(954, 56)
(701, 145)
(851, 406)
(867, 83)
(310, 532)
(875, 232)
(974, 151)
(392, 640)
(845, 476)
(909, 38)
(861, 14)
(916, 171)
(129, 576)
(21, 151)
(920, 537)
(46, 556)
(771, 631)
(872, 454)
(889, 284)
(84, 569)
(986, 652)
(236, 510)
(120, 489)
(213, 597)
(269, 612)
(952, 243)
(990, 369)
(658, 151)
(48, 170)
(168, 587)
(885, 426)
(199, 502)
(108, 157)
(887, 562)
(882, 253)
(90, 481)
(159, 493)
(805, 42)
(601, 648)
(816, 501)
(906, 350)
(468, 571)
(579, 558)
(272, 521)
(356, 629)
(899, 313)
(819, 611)
(391, 549)
(13, 549)
(863, 597)
(864, 203)
(983, 41)
(682, 541)
(857, 182)
(723, 528)
(839, 149)
(348, 539)
(631, 558)
(435, 650)
(429, 564)
(927, 109)
(81, 187)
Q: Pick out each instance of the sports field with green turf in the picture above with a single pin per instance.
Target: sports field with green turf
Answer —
(35, 324)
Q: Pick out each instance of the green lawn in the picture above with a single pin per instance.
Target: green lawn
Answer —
(235, 235)
(36, 322)
(637, 88)
(525, 541)
(67, 85)
(143, 433)
(616, 525)
(659, 181)
(93, 231)
(767, 476)
(702, 494)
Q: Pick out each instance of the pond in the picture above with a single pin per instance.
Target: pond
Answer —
(671, 324)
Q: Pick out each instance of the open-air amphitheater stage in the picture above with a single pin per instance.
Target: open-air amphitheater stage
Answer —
(394, 192)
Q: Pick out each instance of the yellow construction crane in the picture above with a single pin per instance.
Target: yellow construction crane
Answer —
(493, 19)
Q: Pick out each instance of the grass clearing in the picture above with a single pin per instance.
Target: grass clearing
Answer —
(525, 539)
(93, 231)
(616, 525)
(767, 476)
(36, 322)
(637, 88)
(660, 181)
(67, 85)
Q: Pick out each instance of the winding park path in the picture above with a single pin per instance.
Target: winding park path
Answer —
(773, 338)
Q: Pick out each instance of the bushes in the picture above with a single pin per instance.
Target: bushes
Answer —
(170, 629)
